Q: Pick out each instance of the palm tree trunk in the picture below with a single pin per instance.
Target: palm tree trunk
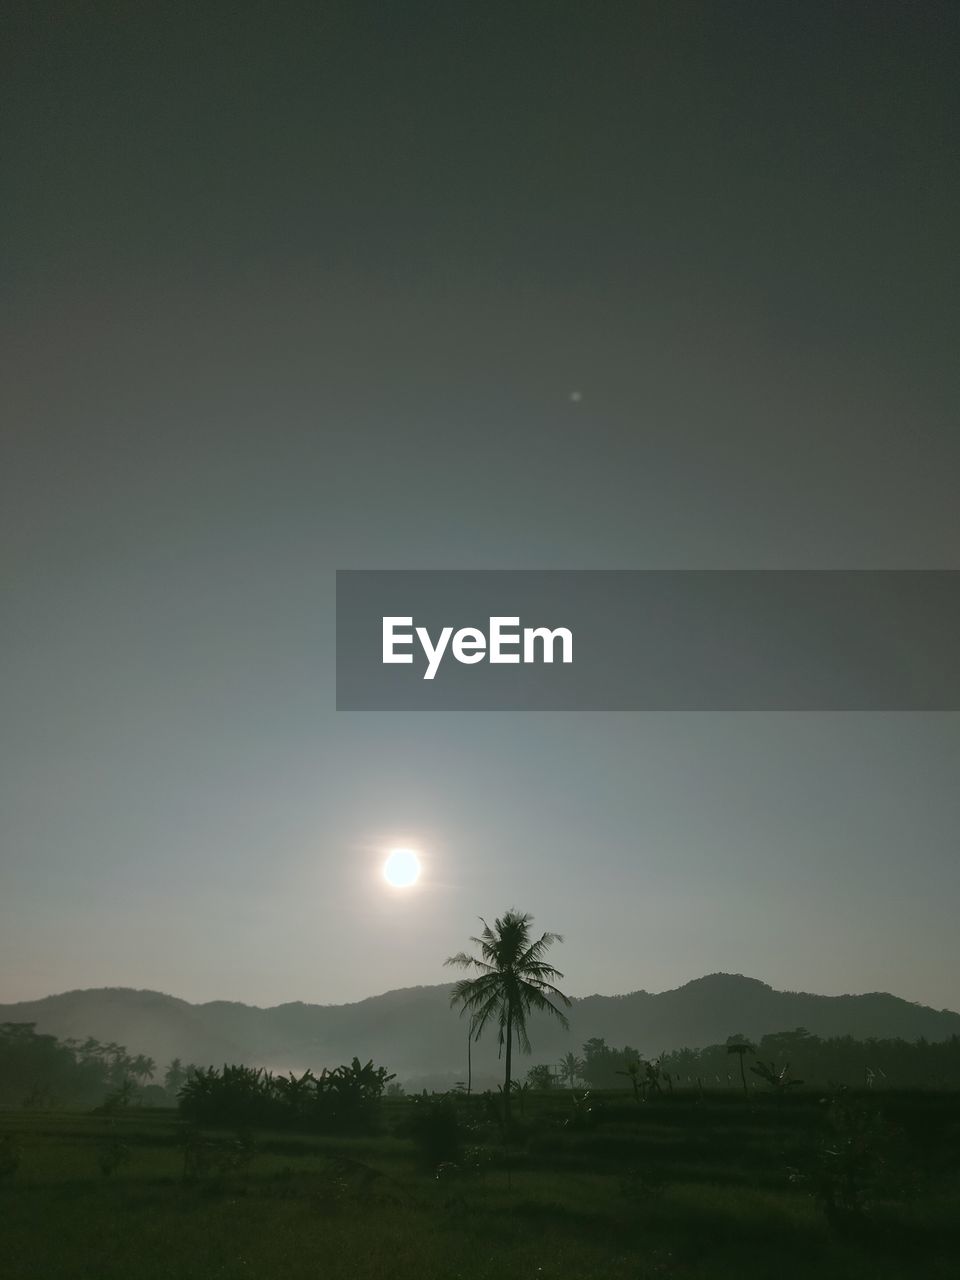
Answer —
(506, 1082)
(743, 1076)
(470, 1059)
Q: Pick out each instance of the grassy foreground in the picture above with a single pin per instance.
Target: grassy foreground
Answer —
(712, 1187)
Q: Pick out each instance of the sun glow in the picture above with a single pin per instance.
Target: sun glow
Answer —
(402, 868)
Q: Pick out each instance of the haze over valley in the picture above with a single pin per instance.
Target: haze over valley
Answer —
(416, 1034)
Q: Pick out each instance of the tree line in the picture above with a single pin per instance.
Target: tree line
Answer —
(42, 1071)
(779, 1061)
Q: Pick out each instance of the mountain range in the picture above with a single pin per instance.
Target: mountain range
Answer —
(416, 1034)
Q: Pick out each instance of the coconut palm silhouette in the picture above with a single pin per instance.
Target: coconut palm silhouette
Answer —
(571, 1068)
(513, 980)
(740, 1045)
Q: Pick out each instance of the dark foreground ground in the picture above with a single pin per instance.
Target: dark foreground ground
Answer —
(685, 1187)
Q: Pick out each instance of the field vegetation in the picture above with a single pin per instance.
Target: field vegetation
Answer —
(693, 1184)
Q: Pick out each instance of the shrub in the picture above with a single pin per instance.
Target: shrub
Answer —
(9, 1156)
(433, 1125)
(112, 1154)
(346, 1099)
(856, 1164)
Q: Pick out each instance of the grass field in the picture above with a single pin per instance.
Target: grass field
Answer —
(687, 1187)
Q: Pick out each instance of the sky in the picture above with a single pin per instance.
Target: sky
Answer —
(299, 287)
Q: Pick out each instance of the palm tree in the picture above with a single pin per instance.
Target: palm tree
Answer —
(470, 1059)
(142, 1067)
(633, 1072)
(570, 1067)
(174, 1077)
(513, 980)
(740, 1045)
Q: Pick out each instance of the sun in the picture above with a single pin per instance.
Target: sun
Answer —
(402, 868)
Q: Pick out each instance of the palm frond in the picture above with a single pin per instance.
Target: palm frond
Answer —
(512, 979)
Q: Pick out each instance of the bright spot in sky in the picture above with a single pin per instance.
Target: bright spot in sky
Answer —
(576, 396)
(402, 868)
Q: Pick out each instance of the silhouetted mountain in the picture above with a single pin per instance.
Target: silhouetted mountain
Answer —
(415, 1033)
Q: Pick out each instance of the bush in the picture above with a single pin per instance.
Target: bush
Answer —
(9, 1156)
(857, 1163)
(433, 1125)
(344, 1100)
(202, 1155)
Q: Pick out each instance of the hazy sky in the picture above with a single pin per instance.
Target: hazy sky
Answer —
(290, 288)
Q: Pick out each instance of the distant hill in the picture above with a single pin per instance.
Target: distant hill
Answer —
(415, 1033)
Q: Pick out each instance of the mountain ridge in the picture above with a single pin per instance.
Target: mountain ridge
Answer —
(414, 1032)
